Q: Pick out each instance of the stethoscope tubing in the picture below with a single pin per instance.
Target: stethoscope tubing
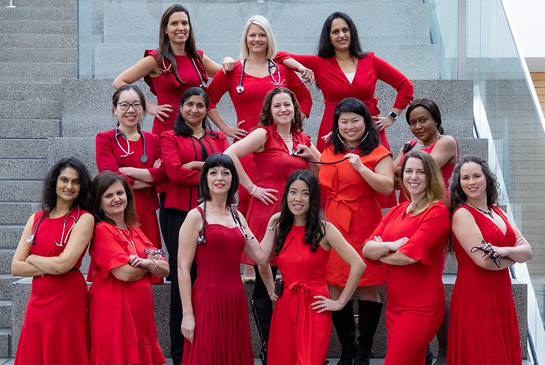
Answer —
(143, 157)
(272, 64)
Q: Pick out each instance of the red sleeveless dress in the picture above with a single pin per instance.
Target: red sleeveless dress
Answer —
(483, 326)
(222, 327)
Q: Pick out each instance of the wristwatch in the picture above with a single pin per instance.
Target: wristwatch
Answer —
(393, 115)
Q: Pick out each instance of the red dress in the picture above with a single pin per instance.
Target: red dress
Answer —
(300, 335)
(352, 207)
(222, 328)
(483, 326)
(121, 315)
(55, 330)
(335, 86)
(168, 90)
(248, 106)
(274, 166)
(416, 298)
(108, 157)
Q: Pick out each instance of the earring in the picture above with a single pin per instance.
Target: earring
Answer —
(100, 209)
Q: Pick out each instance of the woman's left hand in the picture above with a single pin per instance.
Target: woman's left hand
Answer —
(157, 163)
(228, 65)
(383, 122)
(354, 160)
(324, 304)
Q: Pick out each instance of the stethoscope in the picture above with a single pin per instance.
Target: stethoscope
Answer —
(201, 240)
(64, 237)
(272, 66)
(118, 132)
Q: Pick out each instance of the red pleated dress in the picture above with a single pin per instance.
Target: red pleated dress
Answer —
(300, 335)
(55, 330)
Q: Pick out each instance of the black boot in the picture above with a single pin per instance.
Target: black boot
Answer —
(368, 318)
(429, 356)
(263, 310)
(346, 330)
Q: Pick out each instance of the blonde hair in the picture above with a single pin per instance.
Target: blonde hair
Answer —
(271, 41)
(435, 186)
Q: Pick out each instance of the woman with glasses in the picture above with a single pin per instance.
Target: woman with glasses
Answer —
(483, 325)
(184, 151)
(123, 260)
(135, 154)
(54, 241)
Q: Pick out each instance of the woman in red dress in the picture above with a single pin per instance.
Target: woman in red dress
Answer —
(342, 70)
(136, 155)
(184, 151)
(279, 148)
(123, 260)
(215, 323)
(411, 240)
(355, 168)
(483, 326)
(301, 324)
(54, 240)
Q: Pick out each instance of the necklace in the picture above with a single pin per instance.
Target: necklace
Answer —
(489, 213)
(287, 138)
(130, 242)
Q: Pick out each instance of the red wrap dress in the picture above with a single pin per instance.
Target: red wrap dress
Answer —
(416, 298)
(483, 325)
(121, 313)
(300, 335)
(55, 330)
(352, 207)
(248, 106)
(273, 167)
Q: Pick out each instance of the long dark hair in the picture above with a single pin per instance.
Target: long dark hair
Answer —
(101, 183)
(315, 224)
(49, 190)
(353, 105)
(326, 49)
(215, 160)
(266, 117)
(180, 126)
(165, 52)
(457, 195)
(431, 107)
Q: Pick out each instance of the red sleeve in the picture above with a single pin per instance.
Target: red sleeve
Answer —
(431, 229)
(397, 80)
(106, 249)
(105, 155)
(147, 78)
(172, 163)
(309, 61)
(300, 90)
(218, 87)
(379, 232)
(159, 175)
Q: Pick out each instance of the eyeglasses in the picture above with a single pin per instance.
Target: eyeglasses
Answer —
(495, 257)
(125, 106)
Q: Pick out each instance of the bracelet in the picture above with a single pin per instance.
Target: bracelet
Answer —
(155, 262)
(253, 190)
(271, 228)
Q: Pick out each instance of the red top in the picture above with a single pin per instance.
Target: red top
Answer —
(248, 103)
(168, 90)
(183, 184)
(335, 86)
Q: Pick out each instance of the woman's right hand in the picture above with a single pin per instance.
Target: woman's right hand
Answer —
(159, 111)
(307, 74)
(265, 195)
(188, 327)
(395, 245)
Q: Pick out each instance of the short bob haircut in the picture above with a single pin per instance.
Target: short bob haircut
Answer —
(371, 136)
(165, 52)
(215, 160)
(49, 190)
(266, 117)
(126, 87)
(180, 126)
(101, 183)
(431, 107)
(457, 195)
(326, 49)
(271, 41)
(315, 224)
(435, 186)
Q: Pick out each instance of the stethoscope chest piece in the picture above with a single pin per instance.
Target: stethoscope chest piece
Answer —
(30, 238)
(240, 89)
(144, 158)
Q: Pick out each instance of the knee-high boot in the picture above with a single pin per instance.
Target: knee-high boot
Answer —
(368, 318)
(263, 310)
(346, 330)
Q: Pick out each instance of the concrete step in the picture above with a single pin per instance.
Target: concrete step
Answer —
(5, 345)
(38, 40)
(35, 71)
(6, 256)
(5, 313)
(35, 110)
(68, 4)
(20, 190)
(29, 128)
(31, 91)
(60, 55)
(6, 282)
(23, 148)
(16, 212)
(10, 235)
(39, 26)
(23, 169)
(32, 12)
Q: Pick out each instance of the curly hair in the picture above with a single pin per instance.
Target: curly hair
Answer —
(266, 117)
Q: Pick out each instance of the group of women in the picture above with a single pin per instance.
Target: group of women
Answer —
(281, 178)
